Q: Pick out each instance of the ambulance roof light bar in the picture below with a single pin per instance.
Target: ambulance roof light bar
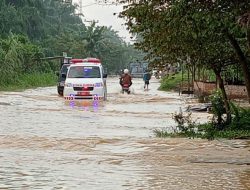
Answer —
(92, 60)
(73, 61)
(86, 60)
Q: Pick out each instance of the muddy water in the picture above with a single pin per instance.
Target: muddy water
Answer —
(46, 143)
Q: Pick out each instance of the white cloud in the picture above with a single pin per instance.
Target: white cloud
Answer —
(104, 14)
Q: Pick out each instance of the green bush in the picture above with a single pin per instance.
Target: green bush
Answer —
(218, 109)
(17, 57)
(241, 118)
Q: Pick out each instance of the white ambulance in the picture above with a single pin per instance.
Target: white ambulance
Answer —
(85, 80)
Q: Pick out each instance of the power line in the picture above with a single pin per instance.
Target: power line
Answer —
(81, 6)
(89, 5)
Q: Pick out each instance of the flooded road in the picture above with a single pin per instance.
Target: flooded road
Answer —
(46, 143)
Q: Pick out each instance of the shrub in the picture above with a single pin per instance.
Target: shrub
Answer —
(241, 118)
(217, 109)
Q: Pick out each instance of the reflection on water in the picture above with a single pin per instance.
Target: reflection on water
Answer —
(47, 143)
(86, 105)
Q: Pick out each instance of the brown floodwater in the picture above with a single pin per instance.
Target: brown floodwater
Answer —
(47, 143)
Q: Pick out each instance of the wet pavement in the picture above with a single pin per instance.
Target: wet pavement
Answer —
(47, 143)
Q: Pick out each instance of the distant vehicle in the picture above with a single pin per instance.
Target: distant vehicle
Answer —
(65, 63)
(137, 69)
(61, 78)
(85, 80)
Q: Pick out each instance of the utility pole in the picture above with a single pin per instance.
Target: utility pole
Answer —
(80, 7)
(67, 1)
(91, 21)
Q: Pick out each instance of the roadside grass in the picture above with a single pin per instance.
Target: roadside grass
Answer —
(31, 81)
(171, 82)
(210, 133)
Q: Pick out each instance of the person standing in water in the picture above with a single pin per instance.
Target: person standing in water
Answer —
(146, 79)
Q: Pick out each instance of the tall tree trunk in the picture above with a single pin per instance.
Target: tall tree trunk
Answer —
(248, 32)
(243, 62)
(248, 38)
(224, 95)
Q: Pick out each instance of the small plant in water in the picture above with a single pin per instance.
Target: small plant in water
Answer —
(185, 126)
(184, 122)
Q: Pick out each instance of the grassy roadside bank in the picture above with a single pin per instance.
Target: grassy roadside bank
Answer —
(31, 81)
(206, 131)
(171, 83)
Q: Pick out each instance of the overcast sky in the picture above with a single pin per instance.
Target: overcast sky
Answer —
(104, 15)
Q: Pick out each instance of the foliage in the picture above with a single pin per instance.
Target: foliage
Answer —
(173, 30)
(185, 127)
(204, 34)
(17, 56)
(218, 109)
(171, 82)
(241, 119)
(32, 29)
(207, 131)
(31, 81)
(217, 128)
(38, 18)
(198, 33)
(184, 122)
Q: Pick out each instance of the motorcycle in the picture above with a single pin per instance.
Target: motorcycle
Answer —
(125, 88)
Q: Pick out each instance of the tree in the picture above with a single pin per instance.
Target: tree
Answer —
(17, 56)
(204, 32)
(53, 26)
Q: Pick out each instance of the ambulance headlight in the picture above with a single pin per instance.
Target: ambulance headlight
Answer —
(99, 84)
(68, 84)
